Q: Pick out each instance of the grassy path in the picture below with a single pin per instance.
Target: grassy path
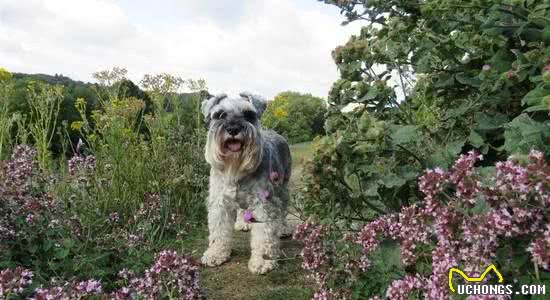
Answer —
(232, 280)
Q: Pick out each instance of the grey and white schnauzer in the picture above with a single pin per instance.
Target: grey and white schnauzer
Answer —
(249, 174)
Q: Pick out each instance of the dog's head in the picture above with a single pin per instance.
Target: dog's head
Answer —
(234, 140)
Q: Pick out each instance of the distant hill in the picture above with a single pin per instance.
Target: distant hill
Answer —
(51, 79)
(73, 90)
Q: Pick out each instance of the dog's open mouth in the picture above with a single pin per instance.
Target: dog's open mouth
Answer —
(233, 145)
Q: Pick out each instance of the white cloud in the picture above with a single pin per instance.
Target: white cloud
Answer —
(263, 46)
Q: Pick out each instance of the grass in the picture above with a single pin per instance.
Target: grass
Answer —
(300, 154)
(232, 280)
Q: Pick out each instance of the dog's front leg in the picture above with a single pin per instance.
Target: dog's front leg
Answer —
(240, 224)
(264, 244)
(221, 218)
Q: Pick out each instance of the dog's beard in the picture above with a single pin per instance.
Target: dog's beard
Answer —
(236, 158)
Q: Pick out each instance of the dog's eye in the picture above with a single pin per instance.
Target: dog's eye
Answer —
(219, 115)
(249, 115)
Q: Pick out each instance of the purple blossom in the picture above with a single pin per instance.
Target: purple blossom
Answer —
(92, 287)
(170, 271)
(540, 249)
(274, 177)
(14, 281)
(400, 289)
(264, 195)
(20, 167)
(81, 165)
(515, 199)
(313, 253)
(248, 217)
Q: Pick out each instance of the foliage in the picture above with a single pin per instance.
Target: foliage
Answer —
(423, 83)
(428, 80)
(469, 218)
(44, 102)
(298, 117)
(134, 180)
(6, 120)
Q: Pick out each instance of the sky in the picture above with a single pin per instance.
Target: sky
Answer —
(261, 46)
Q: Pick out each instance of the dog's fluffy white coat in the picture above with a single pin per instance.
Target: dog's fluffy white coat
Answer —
(245, 180)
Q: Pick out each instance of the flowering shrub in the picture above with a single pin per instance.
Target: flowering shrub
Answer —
(419, 84)
(469, 217)
(171, 276)
(133, 183)
(69, 290)
(14, 281)
(23, 200)
(36, 231)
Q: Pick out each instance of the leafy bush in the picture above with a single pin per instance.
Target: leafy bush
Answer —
(423, 83)
(135, 182)
(469, 217)
(298, 117)
(428, 80)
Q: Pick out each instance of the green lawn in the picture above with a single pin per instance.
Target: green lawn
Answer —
(300, 154)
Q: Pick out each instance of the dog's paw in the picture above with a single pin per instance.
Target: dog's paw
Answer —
(242, 226)
(260, 266)
(215, 256)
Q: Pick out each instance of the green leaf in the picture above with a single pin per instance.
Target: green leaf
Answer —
(534, 97)
(61, 253)
(523, 134)
(405, 135)
(540, 107)
(475, 139)
(444, 80)
(502, 60)
(371, 190)
(467, 80)
(392, 180)
(455, 147)
(488, 122)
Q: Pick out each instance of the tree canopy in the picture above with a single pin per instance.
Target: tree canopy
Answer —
(298, 117)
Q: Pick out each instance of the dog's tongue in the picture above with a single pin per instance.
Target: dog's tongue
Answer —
(234, 146)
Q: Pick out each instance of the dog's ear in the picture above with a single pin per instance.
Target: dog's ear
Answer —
(208, 104)
(259, 102)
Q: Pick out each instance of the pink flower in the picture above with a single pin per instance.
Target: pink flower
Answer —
(14, 281)
(248, 216)
(274, 177)
(540, 249)
(264, 195)
(400, 289)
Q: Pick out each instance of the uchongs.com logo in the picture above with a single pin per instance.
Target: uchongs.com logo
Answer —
(478, 288)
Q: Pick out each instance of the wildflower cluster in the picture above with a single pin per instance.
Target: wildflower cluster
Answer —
(14, 281)
(20, 192)
(19, 169)
(170, 275)
(464, 220)
(69, 290)
(81, 165)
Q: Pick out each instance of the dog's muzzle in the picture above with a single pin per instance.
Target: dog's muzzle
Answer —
(234, 140)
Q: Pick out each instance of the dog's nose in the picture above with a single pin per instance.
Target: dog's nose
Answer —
(233, 129)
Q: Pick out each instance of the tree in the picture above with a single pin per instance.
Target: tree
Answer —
(298, 117)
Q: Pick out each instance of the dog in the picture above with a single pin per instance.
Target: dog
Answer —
(249, 173)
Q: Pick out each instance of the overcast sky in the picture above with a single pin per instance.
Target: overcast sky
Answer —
(265, 46)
